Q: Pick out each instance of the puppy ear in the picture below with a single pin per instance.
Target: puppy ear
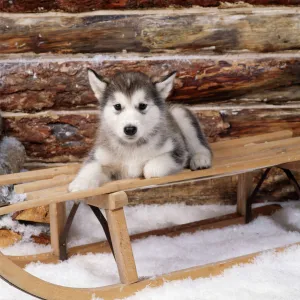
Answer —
(97, 83)
(165, 86)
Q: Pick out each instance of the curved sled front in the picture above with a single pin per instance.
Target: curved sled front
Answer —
(41, 289)
(34, 286)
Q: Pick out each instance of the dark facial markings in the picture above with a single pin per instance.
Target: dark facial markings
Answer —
(129, 82)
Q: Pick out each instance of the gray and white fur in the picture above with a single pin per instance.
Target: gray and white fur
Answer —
(139, 134)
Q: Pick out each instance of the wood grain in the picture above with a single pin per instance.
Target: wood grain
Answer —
(43, 144)
(121, 245)
(60, 82)
(254, 29)
(244, 189)
(37, 215)
(57, 214)
(110, 201)
(43, 184)
(38, 174)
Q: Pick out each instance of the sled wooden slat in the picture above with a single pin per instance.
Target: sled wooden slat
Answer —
(256, 139)
(37, 287)
(38, 174)
(50, 192)
(255, 151)
(43, 184)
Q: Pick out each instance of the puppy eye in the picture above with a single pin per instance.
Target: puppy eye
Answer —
(118, 107)
(142, 106)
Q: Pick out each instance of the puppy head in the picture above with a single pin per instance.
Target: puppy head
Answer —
(132, 105)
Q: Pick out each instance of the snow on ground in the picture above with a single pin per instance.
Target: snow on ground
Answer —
(272, 276)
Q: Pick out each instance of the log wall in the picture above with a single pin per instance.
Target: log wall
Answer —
(238, 70)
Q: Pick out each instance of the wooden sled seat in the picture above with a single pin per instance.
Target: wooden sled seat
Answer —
(50, 187)
(231, 157)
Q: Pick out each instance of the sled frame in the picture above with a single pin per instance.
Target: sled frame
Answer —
(241, 157)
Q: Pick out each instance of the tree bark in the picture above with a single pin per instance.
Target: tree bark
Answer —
(60, 82)
(253, 29)
(68, 136)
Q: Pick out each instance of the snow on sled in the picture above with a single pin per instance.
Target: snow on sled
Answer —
(50, 187)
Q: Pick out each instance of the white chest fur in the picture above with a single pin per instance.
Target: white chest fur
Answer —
(129, 162)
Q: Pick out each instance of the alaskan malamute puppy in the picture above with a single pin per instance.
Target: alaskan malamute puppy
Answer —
(139, 134)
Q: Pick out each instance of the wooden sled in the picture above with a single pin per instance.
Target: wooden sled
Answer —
(49, 187)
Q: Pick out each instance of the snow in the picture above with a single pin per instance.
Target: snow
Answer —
(272, 276)
(158, 255)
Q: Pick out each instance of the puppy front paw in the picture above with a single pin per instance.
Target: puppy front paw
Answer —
(156, 169)
(81, 183)
(201, 161)
(150, 171)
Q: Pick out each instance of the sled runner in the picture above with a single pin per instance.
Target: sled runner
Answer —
(50, 187)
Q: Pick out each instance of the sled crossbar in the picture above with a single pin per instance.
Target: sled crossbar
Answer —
(241, 157)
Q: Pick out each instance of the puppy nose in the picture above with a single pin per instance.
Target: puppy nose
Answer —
(130, 130)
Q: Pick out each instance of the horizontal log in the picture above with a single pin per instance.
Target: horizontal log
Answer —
(254, 29)
(86, 5)
(252, 122)
(38, 83)
(56, 137)
(68, 136)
